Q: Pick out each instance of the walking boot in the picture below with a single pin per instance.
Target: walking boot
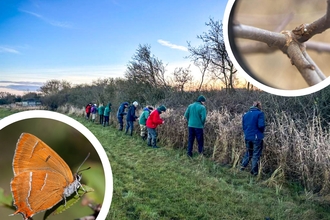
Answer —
(149, 142)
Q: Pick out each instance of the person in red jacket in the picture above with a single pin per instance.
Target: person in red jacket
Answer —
(152, 122)
(88, 110)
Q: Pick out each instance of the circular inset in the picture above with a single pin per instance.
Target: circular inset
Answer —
(253, 31)
(72, 142)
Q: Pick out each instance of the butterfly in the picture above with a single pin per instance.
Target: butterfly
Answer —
(41, 179)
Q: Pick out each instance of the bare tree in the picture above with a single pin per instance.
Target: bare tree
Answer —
(146, 68)
(213, 55)
(293, 43)
(203, 66)
(53, 86)
(146, 73)
(182, 76)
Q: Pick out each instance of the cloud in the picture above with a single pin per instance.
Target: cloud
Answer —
(19, 87)
(76, 75)
(4, 49)
(173, 46)
(49, 21)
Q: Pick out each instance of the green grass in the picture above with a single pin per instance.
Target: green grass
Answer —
(165, 184)
(5, 112)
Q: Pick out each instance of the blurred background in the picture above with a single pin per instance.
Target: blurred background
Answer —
(275, 69)
(70, 144)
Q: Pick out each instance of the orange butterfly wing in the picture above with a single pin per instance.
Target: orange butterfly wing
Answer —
(40, 176)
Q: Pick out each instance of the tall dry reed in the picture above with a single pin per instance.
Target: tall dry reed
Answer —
(293, 149)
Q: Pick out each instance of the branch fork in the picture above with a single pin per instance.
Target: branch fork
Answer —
(291, 42)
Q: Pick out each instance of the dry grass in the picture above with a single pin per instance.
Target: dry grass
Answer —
(293, 149)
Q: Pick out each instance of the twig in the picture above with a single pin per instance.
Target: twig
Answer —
(291, 43)
(317, 46)
(311, 61)
(306, 31)
(306, 69)
(261, 35)
(258, 47)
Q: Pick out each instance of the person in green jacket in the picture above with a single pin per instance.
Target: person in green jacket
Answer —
(101, 112)
(106, 114)
(196, 117)
(143, 119)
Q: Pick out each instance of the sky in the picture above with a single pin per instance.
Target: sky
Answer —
(83, 40)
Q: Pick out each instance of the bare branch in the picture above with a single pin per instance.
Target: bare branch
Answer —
(259, 47)
(306, 69)
(306, 31)
(250, 48)
(291, 43)
(318, 46)
(317, 69)
(261, 35)
(286, 43)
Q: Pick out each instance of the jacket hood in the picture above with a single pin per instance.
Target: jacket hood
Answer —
(254, 108)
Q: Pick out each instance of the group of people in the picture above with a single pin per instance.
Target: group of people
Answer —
(102, 111)
(148, 121)
(253, 125)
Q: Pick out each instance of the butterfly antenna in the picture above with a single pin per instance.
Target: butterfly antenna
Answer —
(83, 163)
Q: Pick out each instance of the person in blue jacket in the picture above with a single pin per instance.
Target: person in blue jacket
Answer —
(253, 123)
(131, 117)
(120, 114)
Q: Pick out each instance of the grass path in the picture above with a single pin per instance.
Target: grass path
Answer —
(165, 184)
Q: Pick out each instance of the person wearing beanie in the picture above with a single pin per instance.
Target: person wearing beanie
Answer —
(253, 123)
(131, 117)
(143, 119)
(153, 121)
(120, 114)
(201, 98)
(106, 113)
(196, 117)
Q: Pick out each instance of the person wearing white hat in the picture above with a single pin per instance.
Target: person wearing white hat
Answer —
(131, 117)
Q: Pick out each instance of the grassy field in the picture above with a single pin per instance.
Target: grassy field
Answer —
(164, 184)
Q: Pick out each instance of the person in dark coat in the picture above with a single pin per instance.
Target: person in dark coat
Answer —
(253, 123)
(120, 114)
(152, 123)
(131, 117)
(94, 111)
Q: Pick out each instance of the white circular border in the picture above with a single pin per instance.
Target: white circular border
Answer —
(83, 130)
(299, 92)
